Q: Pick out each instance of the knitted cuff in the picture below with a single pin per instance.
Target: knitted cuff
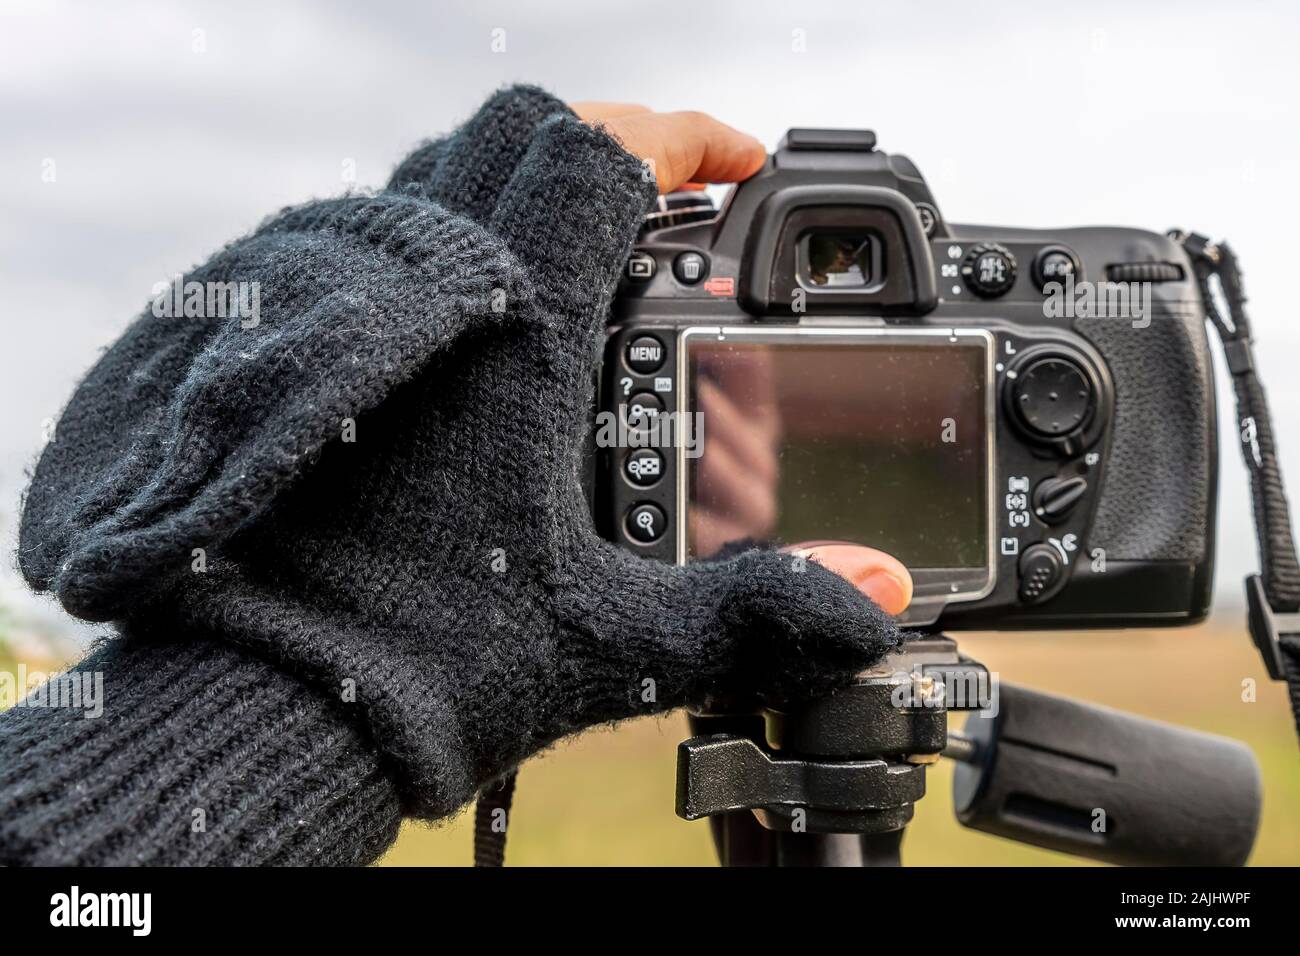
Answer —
(466, 171)
(187, 754)
(570, 214)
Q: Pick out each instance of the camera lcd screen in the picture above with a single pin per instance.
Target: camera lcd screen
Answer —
(882, 443)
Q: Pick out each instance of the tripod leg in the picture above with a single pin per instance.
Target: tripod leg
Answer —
(739, 839)
(742, 841)
(838, 849)
(882, 849)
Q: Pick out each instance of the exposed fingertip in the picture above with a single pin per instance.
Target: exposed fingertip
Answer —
(887, 590)
(878, 575)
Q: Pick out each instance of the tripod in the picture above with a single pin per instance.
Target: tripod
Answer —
(833, 781)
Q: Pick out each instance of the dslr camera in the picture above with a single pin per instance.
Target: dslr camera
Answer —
(1024, 418)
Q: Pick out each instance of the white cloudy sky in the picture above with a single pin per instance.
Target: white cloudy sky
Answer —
(1132, 113)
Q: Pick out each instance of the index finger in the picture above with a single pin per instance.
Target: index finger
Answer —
(597, 111)
(688, 147)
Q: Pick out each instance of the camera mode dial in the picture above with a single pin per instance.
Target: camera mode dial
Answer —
(989, 269)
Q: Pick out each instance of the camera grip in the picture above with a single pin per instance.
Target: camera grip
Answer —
(1157, 498)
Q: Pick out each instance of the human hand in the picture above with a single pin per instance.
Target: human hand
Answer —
(684, 149)
(446, 565)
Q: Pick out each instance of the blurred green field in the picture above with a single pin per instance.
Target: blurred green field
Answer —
(606, 798)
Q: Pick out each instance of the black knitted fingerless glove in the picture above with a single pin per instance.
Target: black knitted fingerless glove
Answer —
(376, 488)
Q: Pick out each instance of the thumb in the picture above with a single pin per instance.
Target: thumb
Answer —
(763, 621)
(878, 575)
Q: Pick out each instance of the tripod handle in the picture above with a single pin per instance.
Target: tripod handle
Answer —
(1109, 786)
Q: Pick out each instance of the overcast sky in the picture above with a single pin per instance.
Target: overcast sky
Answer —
(173, 127)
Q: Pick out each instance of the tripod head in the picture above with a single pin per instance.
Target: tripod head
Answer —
(834, 780)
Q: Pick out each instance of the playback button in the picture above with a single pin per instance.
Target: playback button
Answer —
(646, 523)
(640, 267)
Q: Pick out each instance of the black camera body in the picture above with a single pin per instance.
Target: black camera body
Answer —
(1025, 418)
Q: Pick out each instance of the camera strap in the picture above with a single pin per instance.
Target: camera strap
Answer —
(1273, 595)
(491, 814)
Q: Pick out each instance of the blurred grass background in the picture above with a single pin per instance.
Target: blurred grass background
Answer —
(605, 798)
